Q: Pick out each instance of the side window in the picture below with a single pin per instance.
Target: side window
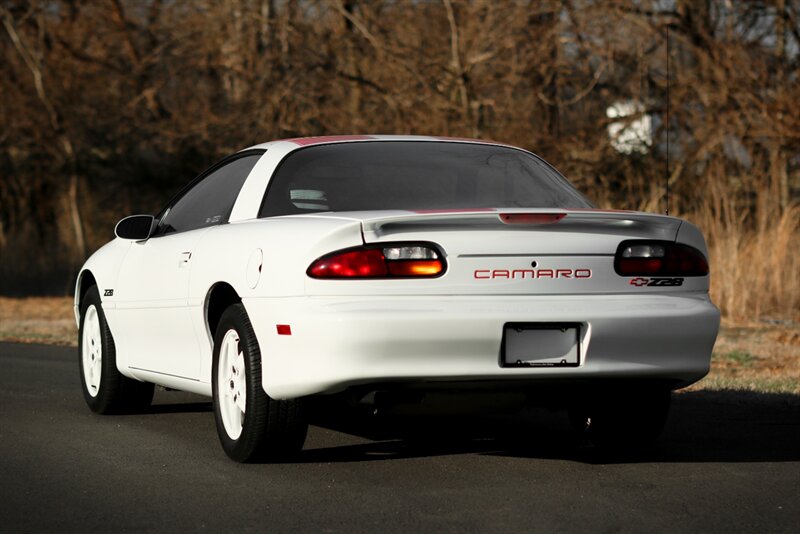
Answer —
(210, 200)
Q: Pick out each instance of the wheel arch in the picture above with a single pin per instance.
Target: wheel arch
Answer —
(86, 280)
(219, 297)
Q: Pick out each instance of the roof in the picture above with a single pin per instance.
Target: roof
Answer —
(328, 139)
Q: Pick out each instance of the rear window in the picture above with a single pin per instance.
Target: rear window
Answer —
(407, 175)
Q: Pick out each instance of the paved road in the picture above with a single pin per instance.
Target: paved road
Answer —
(726, 463)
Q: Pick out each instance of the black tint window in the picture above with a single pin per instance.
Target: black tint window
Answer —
(211, 200)
(411, 175)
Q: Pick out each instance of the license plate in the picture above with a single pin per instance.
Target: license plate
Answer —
(541, 345)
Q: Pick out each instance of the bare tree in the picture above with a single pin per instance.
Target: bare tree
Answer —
(110, 105)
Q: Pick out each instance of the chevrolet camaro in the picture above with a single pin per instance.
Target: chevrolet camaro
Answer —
(364, 266)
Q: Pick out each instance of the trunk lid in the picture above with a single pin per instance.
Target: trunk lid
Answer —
(536, 252)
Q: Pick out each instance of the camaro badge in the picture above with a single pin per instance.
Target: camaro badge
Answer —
(511, 274)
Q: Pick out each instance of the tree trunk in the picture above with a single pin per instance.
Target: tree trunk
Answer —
(73, 203)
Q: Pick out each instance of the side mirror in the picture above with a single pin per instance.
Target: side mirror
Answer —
(135, 227)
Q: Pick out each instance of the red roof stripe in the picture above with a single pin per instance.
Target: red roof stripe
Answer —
(469, 140)
(307, 141)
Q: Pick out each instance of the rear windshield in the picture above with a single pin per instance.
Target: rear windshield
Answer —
(408, 175)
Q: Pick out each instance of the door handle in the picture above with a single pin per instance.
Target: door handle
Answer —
(184, 258)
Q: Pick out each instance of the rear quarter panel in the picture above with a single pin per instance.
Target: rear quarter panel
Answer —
(287, 246)
(691, 235)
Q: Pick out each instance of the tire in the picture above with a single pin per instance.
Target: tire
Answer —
(251, 426)
(624, 419)
(105, 390)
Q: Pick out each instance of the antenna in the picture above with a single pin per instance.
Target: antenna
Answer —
(666, 211)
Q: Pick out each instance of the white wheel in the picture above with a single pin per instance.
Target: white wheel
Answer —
(92, 351)
(232, 384)
(251, 426)
(104, 388)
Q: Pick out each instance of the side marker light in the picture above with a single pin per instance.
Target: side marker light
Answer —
(284, 329)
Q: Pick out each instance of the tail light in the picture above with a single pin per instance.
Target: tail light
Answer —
(659, 258)
(387, 261)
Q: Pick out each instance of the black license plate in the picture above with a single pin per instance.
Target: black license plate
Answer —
(541, 345)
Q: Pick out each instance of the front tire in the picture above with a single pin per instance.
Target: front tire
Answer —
(104, 388)
(251, 426)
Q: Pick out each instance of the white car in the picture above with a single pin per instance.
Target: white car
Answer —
(362, 264)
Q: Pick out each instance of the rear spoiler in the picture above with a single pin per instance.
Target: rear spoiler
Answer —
(634, 224)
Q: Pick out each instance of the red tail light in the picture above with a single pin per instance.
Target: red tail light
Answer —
(659, 258)
(367, 263)
(387, 261)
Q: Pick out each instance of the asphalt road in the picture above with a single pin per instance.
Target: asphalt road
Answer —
(727, 462)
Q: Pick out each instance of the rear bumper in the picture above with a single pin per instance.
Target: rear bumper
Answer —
(340, 342)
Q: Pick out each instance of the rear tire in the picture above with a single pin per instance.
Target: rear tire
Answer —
(251, 426)
(623, 419)
(104, 388)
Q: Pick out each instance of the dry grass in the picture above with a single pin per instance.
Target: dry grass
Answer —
(755, 260)
(38, 320)
(763, 357)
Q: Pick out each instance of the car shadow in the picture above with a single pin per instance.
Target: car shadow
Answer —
(704, 426)
(167, 401)
(182, 407)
